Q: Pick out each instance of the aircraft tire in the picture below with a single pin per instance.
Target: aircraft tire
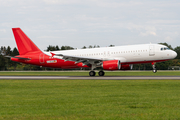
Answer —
(154, 70)
(101, 73)
(92, 73)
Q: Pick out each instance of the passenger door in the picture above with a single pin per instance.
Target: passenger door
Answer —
(151, 50)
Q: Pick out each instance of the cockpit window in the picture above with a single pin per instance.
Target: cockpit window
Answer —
(165, 48)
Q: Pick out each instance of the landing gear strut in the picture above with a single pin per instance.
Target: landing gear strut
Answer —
(154, 68)
(92, 72)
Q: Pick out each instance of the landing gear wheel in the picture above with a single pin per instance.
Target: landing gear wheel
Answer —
(101, 73)
(92, 73)
(154, 70)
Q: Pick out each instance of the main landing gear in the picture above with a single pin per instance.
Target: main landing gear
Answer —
(154, 67)
(93, 73)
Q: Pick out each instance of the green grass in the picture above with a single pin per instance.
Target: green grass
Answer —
(86, 73)
(90, 99)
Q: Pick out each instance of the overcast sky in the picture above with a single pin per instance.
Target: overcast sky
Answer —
(79, 23)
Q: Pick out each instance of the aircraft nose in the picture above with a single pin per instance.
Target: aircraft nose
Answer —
(174, 54)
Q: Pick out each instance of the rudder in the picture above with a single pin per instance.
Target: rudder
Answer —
(23, 42)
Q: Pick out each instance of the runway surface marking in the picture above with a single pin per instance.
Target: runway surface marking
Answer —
(90, 78)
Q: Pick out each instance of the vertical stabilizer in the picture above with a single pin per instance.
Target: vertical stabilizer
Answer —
(23, 42)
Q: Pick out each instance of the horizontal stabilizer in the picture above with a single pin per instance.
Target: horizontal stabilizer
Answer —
(21, 58)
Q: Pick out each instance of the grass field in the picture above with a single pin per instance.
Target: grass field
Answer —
(90, 99)
(86, 73)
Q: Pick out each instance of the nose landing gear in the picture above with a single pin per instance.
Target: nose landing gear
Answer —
(154, 67)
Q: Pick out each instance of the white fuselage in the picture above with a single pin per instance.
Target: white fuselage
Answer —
(126, 54)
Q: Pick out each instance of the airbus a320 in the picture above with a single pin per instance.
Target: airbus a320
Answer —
(105, 58)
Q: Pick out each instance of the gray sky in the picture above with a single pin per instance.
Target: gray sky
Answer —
(79, 23)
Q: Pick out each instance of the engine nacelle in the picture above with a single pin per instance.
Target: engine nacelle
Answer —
(111, 65)
(127, 67)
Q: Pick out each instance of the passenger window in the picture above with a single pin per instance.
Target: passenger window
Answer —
(161, 48)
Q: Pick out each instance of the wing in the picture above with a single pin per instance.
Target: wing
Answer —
(86, 60)
(77, 59)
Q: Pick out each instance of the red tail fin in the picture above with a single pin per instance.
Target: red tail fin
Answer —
(24, 44)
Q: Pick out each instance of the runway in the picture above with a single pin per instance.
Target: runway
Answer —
(89, 78)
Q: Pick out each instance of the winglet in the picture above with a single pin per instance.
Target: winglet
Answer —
(52, 54)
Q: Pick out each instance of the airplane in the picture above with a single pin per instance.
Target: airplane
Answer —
(105, 58)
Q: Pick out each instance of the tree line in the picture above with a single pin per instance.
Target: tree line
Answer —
(7, 64)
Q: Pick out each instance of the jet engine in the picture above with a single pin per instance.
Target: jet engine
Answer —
(111, 65)
(126, 67)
